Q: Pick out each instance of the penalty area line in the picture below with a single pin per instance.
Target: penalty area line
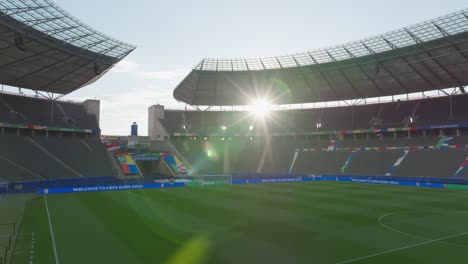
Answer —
(51, 231)
(401, 248)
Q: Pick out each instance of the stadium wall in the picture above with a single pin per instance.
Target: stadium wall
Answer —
(98, 184)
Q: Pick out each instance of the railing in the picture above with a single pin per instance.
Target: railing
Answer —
(38, 97)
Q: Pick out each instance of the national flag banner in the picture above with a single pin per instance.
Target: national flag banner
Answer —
(113, 147)
(462, 168)
(397, 163)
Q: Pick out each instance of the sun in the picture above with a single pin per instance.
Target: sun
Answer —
(260, 107)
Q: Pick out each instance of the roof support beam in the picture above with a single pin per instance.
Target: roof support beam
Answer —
(345, 77)
(263, 65)
(12, 82)
(57, 31)
(279, 63)
(195, 93)
(19, 10)
(201, 64)
(46, 68)
(46, 86)
(104, 52)
(36, 22)
(76, 38)
(49, 15)
(45, 96)
(422, 44)
(47, 32)
(25, 59)
(381, 64)
(332, 88)
(216, 90)
(363, 71)
(397, 51)
(448, 37)
(444, 92)
(306, 81)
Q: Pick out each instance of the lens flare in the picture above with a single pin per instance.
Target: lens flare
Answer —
(260, 107)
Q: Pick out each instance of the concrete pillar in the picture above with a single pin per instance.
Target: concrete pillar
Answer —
(93, 107)
(156, 130)
(226, 157)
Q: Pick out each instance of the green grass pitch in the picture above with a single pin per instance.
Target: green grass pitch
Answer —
(266, 223)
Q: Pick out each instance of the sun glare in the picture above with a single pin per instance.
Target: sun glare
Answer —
(260, 108)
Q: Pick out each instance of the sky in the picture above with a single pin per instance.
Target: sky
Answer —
(172, 37)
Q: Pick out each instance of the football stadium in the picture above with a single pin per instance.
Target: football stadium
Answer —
(356, 153)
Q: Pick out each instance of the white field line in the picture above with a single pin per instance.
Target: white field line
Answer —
(31, 257)
(51, 231)
(401, 248)
(412, 235)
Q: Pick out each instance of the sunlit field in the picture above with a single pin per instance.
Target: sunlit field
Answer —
(316, 222)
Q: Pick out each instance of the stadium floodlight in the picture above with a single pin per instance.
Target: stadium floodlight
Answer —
(184, 127)
(411, 119)
(223, 127)
(319, 125)
(251, 127)
(260, 107)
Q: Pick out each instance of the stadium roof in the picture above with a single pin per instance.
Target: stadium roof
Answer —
(44, 48)
(427, 56)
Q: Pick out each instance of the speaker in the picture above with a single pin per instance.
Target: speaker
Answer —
(19, 42)
(97, 69)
